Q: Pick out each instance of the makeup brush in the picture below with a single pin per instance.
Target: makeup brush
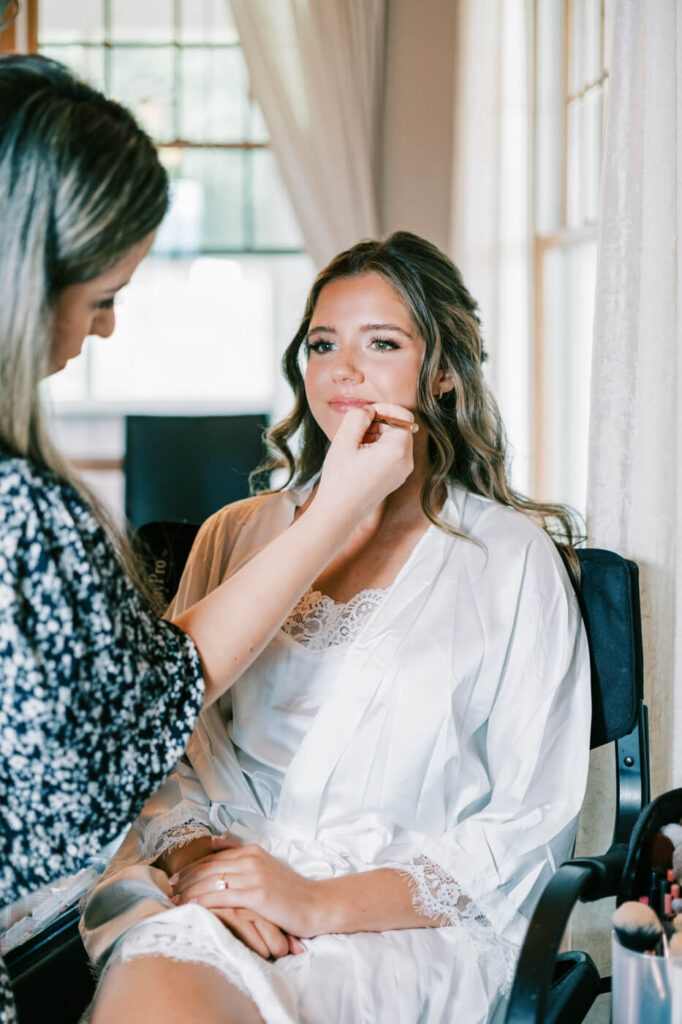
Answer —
(637, 926)
(676, 944)
(639, 929)
(393, 421)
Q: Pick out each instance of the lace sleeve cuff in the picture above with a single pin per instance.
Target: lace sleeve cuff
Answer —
(174, 829)
(437, 895)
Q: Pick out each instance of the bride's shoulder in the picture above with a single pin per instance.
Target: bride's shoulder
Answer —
(231, 518)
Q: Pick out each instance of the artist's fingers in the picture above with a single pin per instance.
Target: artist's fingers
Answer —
(375, 431)
(398, 412)
(352, 429)
(244, 930)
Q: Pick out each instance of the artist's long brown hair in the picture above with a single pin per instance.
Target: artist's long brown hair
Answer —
(467, 441)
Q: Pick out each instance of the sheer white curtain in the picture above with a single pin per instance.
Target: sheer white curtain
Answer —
(635, 470)
(491, 230)
(635, 481)
(316, 69)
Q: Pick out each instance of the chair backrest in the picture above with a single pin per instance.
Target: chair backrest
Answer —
(609, 601)
(164, 548)
(187, 467)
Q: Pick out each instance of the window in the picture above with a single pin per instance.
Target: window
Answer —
(570, 97)
(197, 324)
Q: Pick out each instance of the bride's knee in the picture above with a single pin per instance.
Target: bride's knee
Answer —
(157, 990)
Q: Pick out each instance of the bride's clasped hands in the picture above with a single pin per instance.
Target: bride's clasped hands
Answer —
(260, 899)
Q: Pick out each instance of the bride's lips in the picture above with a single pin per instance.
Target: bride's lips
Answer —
(344, 404)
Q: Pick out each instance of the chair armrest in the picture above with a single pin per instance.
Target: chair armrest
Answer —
(584, 878)
(606, 872)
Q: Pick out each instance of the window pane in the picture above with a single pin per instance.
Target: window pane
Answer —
(576, 62)
(86, 62)
(148, 22)
(207, 208)
(575, 164)
(70, 21)
(593, 27)
(550, 108)
(142, 79)
(568, 310)
(592, 153)
(274, 223)
(207, 21)
(198, 328)
(258, 130)
(214, 95)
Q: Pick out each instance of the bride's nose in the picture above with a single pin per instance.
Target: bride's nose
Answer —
(346, 367)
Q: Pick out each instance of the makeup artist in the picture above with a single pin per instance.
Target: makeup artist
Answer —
(99, 695)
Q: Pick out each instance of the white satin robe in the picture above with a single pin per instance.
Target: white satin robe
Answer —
(460, 733)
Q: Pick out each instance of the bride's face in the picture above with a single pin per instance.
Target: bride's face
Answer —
(363, 347)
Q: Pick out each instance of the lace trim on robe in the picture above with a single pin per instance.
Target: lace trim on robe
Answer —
(318, 622)
(435, 894)
(175, 828)
(186, 945)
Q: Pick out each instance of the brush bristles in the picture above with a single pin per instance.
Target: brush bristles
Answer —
(673, 832)
(676, 944)
(637, 926)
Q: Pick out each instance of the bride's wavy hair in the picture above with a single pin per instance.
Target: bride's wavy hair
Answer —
(467, 441)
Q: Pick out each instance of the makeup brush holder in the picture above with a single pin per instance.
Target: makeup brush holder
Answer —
(644, 988)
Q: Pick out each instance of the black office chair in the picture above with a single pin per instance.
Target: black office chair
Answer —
(187, 467)
(560, 989)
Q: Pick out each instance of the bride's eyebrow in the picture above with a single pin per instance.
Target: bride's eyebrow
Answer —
(385, 327)
(321, 330)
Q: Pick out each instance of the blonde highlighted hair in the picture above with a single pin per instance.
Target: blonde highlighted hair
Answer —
(80, 184)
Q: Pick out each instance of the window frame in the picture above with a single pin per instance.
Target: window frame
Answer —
(178, 145)
(563, 237)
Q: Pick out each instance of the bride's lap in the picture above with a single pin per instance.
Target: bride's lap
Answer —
(158, 990)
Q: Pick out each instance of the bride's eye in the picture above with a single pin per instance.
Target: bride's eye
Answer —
(384, 344)
(320, 346)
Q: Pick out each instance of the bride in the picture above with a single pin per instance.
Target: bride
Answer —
(364, 822)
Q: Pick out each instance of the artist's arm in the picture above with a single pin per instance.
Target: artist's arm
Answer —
(355, 478)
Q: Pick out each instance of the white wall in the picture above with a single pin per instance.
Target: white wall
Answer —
(416, 161)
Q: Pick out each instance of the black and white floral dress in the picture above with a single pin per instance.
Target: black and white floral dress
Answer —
(98, 696)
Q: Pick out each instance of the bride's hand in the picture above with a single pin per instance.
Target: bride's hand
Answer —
(367, 459)
(249, 877)
(256, 932)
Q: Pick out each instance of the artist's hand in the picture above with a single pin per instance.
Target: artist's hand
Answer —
(365, 464)
(248, 877)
